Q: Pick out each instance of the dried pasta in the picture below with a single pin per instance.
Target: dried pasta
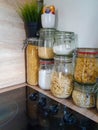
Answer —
(86, 70)
(32, 64)
(61, 85)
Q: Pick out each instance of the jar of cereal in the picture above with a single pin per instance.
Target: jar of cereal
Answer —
(86, 66)
(62, 77)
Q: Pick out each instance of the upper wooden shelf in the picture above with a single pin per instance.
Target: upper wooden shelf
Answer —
(91, 113)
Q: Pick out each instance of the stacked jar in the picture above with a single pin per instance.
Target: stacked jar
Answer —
(85, 77)
(46, 55)
(45, 49)
(62, 75)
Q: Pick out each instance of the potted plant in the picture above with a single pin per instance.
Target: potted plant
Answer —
(30, 12)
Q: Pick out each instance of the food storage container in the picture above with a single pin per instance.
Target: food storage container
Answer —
(64, 43)
(84, 95)
(62, 77)
(32, 61)
(45, 71)
(46, 40)
(97, 101)
(48, 17)
(86, 65)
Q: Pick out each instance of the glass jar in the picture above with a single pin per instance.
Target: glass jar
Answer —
(64, 43)
(83, 96)
(32, 61)
(45, 71)
(62, 77)
(97, 101)
(86, 65)
(46, 40)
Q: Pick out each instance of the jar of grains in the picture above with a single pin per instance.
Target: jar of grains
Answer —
(86, 66)
(62, 77)
(46, 40)
(32, 61)
(45, 71)
(83, 95)
(64, 43)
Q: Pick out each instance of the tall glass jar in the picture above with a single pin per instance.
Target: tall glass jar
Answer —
(83, 95)
(64, 43)
(46, 40)
(45, 71)
(32, 61)
(62, 77)
(86, 66)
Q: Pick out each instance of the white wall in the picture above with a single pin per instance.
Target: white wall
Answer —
(79, 16)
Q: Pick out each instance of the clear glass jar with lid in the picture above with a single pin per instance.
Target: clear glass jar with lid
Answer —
(62, 77)
(84, 95)
(45, 71)
(86, 65)
(46, 40)
(32, 61)
(64, 43)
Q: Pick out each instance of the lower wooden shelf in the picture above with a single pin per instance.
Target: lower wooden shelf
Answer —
(89, 113)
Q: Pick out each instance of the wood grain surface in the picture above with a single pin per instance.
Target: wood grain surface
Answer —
(12, 35)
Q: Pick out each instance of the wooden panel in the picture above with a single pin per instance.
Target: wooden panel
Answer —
(12, 35)
(89, 113)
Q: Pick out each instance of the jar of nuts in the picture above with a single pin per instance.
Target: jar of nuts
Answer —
(86, 66)
(84, 95)
(45, 45)
(62, 77)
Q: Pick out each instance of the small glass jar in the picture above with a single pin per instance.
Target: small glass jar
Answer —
(83, 96)
(86, 65)
(62, 77)
(64, 43)
(45, 71)
(32, 61)
(46, 40)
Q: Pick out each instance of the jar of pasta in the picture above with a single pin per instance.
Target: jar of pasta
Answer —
(46, 40)
(62, 77)
(32, 61)
(86, 65)
(83, 96)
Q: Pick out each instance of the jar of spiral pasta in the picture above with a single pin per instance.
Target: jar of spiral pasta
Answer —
(86, 65)
(32, 61)
(62, 77)
(84, 95)
(45, 45)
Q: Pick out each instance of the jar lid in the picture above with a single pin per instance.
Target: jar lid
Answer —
(42, 61)
(88, 88)
(47, 32)
(87, 51)
(67, 59)
(65, 34)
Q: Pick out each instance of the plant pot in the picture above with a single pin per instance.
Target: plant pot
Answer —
(31, 29)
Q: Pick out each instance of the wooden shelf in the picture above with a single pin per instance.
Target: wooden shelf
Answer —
(9, 88)
(89, 113)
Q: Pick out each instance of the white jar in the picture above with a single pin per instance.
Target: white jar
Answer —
(45, 72)
(48, 20)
